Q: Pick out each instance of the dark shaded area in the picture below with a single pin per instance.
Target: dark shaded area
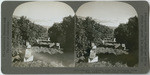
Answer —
(23, 30)
(88, 31)
(130, 59)
(63, 33)
(128, 34)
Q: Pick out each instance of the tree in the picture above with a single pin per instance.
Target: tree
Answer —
(128, 34)
(24, 30)
(88, 31)
(78, 31)
(63, 33)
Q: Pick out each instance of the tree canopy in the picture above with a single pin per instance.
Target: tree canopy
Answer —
(24, 30)
(128, 34)
(63, 33)
(82, 31)
(89, 31)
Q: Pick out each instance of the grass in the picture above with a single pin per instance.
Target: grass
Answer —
(48, 50)
(36, 64)
(129, 59)
(101, 64)
(109, 57)
(110, 50)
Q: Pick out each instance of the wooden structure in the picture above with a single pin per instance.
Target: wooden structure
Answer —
(47, 42)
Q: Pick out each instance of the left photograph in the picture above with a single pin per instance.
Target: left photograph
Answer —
(43, 35)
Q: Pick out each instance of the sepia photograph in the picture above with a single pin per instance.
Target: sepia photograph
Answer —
(42, 35)
(106, 35)
(98, 34)
(74, 37)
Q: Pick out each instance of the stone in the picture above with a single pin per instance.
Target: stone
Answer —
(92, 54)
(92, 44)
(94, 47)
(103, 42)
(49, 39)
(114, 40)
(28, 54)
(95, 59)
(124, 46)
(51, 44)
(16, 58)
(28, 59)
(58, 45)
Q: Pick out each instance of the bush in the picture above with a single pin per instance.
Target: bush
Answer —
(128, 34)
(24, 30)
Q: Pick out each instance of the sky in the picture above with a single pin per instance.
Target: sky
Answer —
(107, 13)
(44, 13)
(47, 13)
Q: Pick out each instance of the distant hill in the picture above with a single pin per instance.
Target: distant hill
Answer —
(47, 27)
(112, 27)
(16, 16)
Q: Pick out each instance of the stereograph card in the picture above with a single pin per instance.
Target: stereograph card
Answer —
(74, 37)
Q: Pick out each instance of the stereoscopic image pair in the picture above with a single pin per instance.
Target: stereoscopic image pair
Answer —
(52, 34)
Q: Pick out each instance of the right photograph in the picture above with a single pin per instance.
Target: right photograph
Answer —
(106, 35)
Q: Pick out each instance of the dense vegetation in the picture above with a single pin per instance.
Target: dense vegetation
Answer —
(89, 31)
(63, 33)
(78, 32)
(86, 31)
(24, 30)
(128, 34)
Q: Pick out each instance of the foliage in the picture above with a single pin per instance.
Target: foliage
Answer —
(63, 33)
(110, 50)
(101, 64)
(24, 30)
(86, 30)
(37, 64)
(51, 51)
(128, 34)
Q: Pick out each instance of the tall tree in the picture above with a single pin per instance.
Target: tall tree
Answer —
(128, 34)
(24, 30)
(63, 33)
(86, 30)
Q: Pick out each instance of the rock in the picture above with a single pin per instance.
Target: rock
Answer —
(95, 59)
(92, 54)
(16, 58)
(28, 55)
(28, 59)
